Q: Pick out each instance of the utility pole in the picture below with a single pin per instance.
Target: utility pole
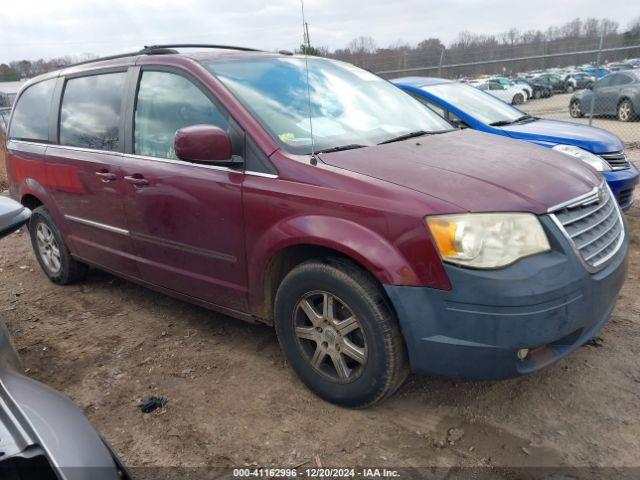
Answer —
(307, 39)
(595, 84)
(440, 62)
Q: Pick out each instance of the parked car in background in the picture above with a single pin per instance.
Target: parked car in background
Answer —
(620, 66)
(577, 81)
(5, 113)
(372, 234)
(552, 80)
(616, 95)
(538, 90)
(8, 91)
(526, 89)
(506, 93)
(598, 72)
(43, 435)
(467, 107)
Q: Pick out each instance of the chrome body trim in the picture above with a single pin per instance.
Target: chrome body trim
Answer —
(144, 157)
(101, 226)
(586, 200)
(576, 201)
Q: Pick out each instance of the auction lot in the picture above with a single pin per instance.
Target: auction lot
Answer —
(557, 108)
(232, 400)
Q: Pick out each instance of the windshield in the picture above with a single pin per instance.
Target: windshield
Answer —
(481, 106)
(349, 107)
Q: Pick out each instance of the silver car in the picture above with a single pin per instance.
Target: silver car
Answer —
(615, 95)
(43, 435)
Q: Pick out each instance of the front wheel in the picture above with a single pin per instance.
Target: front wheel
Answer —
(339, 334)
(51, 252)
(626, 113)
(575, 110)
(537, 94)
(569, 88)
(518, 99)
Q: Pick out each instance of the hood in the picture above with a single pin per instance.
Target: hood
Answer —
(475, 171)
(593, 139)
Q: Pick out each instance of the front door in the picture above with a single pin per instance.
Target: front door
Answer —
(85, 174)
(185, 218)
(606, 93)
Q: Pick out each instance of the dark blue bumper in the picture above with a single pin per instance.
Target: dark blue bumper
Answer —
(547, 303)
(622, 183)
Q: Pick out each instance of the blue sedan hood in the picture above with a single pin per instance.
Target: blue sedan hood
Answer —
(548, 132)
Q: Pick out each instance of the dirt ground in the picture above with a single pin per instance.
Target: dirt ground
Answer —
(232, 400)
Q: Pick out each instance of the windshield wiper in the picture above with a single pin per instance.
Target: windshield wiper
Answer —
(502, 123)
(419, 133)
(351, 146)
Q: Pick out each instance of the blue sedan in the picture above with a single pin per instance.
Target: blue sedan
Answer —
(467, 107)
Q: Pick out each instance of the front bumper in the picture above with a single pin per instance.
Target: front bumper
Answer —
(622, 184)
(547, 303)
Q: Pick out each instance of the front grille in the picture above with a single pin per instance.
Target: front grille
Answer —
(616, 160)
(593, 225)
(624, 197)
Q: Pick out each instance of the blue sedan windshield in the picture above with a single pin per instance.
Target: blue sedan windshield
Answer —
(347, 105)
(476, 103)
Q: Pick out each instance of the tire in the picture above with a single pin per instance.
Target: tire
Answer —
(52, 252)
(518, 99)
(569, 88)
(323, 351)
(626, 112)
(537, 94)
(575, 109)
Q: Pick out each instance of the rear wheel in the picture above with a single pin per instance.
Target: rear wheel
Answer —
(575, 110)
(626, 113)
(52, 253)
(339, 333)
(569, 88)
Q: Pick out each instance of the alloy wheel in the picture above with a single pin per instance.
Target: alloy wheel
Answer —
(575, 110)
(331, 336)
(624, 111)
(48, 248)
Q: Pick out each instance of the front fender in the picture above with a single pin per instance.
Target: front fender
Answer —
(381, 258)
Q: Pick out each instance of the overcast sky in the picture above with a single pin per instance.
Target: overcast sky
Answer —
(47, 28)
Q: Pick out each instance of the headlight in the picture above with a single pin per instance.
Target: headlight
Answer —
(587, 157)
(487, 240)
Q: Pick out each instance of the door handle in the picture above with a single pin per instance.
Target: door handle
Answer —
(136, 180)
(106, 176)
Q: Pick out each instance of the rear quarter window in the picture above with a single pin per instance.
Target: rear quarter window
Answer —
(31, 115)
(91, 111)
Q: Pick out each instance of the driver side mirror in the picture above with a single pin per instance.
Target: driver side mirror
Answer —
(12, 216)
(205, 144)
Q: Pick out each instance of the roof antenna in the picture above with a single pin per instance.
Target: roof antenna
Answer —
(306, 46)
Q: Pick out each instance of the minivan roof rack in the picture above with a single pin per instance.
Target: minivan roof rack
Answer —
(200, 45)
(164, 50)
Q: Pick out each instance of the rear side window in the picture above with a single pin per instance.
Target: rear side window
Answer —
(91, 111)
(166, 103)
(31, 116)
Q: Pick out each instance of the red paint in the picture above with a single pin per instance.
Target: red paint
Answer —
(210, 233)
(202, 143)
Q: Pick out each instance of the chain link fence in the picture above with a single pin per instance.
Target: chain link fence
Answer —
(593, 84)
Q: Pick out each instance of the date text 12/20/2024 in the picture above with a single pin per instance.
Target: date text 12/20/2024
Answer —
(315, 472)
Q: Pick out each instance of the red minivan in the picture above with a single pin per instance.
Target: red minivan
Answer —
(317, 197)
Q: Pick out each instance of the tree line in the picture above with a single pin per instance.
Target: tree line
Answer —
(574, 36)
